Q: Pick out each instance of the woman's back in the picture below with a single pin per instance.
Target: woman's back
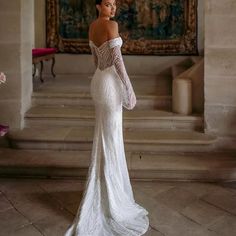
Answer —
(105, 44)
(102, 42)
(101, 31)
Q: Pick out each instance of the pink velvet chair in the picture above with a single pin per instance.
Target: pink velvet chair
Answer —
(39, 55)
(3, 130)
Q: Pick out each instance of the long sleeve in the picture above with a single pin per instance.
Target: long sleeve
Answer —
(129, 98)
(95, 58)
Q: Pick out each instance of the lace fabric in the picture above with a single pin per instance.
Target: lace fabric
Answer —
(108, 54)
(108, 207)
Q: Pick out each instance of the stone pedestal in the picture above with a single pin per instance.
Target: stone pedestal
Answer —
(182, 96)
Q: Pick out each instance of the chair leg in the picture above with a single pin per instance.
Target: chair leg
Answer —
(52, 67)
(34, 72)
(41, 72)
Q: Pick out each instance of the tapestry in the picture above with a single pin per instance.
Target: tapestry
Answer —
(147, 27)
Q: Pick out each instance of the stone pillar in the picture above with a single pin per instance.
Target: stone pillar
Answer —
(16, 29)
(220, 67)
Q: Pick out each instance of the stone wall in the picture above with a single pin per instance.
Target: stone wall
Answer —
(220, 67)
(16, 29)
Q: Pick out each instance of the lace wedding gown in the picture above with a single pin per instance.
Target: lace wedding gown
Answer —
(108, 207)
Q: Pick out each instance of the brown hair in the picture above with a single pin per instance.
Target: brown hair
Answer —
(98, 2)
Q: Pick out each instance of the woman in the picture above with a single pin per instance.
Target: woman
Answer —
(108, 207)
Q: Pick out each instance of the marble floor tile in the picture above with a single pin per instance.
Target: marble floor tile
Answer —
(65, 192)
(66, 198)
(11, 220)
(72, 208)
(225, 225)
(152, 188)
(145, 200)
(176, 198)
(230, 186)
(198, 189)
(61, 185)
(42, 205)
(170, 222)
(19, 198)
(223, 199)
(23, 186)
(54, 225)
(202, 212)
(35, 207)
(153, 232)
(28, 230)
(4, 203)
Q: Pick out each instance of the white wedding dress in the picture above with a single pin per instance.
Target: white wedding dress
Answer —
(108, 207)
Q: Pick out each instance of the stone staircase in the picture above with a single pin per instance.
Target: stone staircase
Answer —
(209, 167)
(138, 141)
(64, 116)
(153, 92)
(159, 144)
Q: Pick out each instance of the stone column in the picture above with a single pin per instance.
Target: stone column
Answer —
(220, 67)
(16, 29)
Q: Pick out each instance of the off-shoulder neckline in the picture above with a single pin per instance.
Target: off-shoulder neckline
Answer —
(104, 42)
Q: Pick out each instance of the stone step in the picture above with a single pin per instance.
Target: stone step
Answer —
(138, 119)
(152, 92)
(85, 100)
(147, 141)
(183, 167)
(143, 84)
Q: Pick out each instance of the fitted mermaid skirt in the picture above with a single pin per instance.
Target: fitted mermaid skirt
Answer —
(108, 207)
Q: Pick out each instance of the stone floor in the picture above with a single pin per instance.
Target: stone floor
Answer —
(34, 207)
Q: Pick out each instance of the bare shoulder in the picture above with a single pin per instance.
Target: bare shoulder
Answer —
(112, 29)
(92, 23)
(112, 25)
(91, 26)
